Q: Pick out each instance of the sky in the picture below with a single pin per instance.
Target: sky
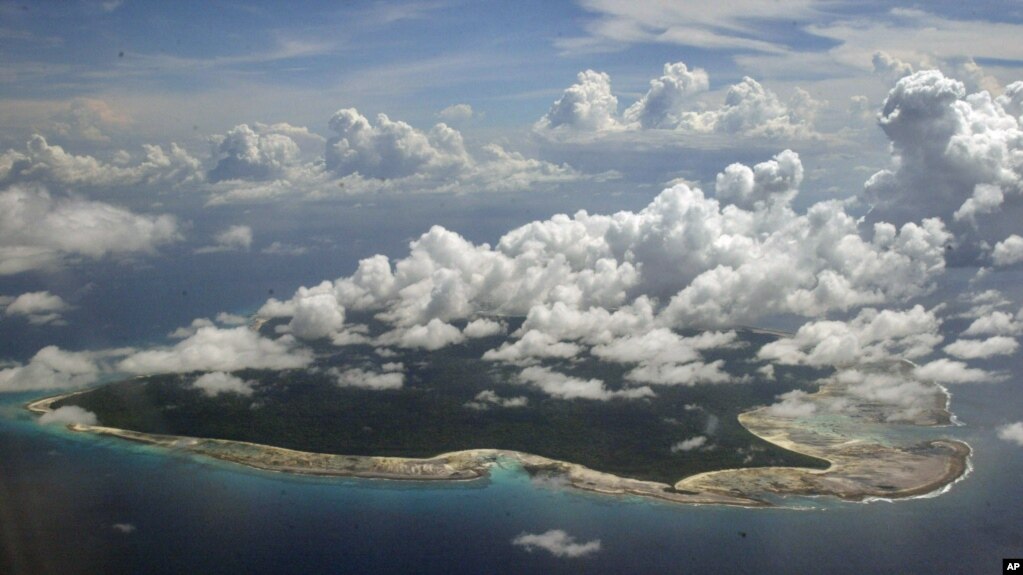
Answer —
(613, 171)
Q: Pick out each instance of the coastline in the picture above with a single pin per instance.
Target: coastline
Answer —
(859, 471)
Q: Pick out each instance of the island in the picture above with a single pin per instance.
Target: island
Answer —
(842, 442)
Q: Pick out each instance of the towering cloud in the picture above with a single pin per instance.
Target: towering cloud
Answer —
(587, 105)
(956, 157)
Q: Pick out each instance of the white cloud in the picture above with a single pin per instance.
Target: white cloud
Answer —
(689, 444)
(996, 323)
(870, 336)
(246, 154)
(665, 358)
(456, 113)
(953, 158)
(663, 105)
(219, 349)
(488, 398)
(776, 180)
(67, 415)
(39, 231)
(39, 307)
(434, 335)
(42, 162)
(316, 313)
(234, 238)
(483, 327)
(557, 543)
(563, 386)
(392, 149)
(89, 119)
(748, 108)
(950, 371)
(1012, 433)
(392, 376)
(1008, 251)
(218, 382)
(982, 348)
(794, 404)
(532, 347)
(587, 105)
(52, 368)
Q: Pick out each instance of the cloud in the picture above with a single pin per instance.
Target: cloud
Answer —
(689, 444)
(363, 157)
(483, 327)
(89, 119)
(67, 415)
(234, 238)
(685, 260)
(665, 358)
(52, 368)
(126, 528)
(557, 543)
(1008, 251)
(953, 157)
(532, 347)
(774, 181)
(488, 398)
(456, 113)
(246, 154)
(871, 336)
(1012, 433)
(748, 109)
(587, 105)
(392, 149)
(996, 323)
(663, 104)
(51, 164)
(722, 26)
(950, 371)
(219, 349)
(434, 335)
(391, 377)
(39, 308)
(39, 231)
(218, 382)
(793, 405)
(977, 348)
(563, 386)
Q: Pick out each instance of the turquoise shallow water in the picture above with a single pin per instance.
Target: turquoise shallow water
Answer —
(62, 493)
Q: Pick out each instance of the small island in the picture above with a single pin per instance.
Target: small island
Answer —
(700, 444)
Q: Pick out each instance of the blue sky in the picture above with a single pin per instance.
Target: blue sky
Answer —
(713, 164)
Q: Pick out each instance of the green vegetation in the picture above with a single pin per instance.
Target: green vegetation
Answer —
(307, 410)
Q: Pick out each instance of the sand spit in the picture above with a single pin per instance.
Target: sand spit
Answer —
(870, 457)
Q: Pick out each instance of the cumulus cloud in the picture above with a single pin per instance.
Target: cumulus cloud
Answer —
(557, 543)
(794, 404)
(587, 105)
(996, 323)
(456, 113)
(663, 105)
(39, 308)
(67, 415)
(955, 157)
(52, 368)
(748, 109)
(872, 335)
(559, 385)
(982, 348)
(1012, 433)
(665, 358)
(689, 444)
(483, 327)
(390, 376)
(40, 231)
(488, 398)
(1008, 251)
(685, 260)
(218, 382)
(88, 119)
(366, 157)
(234, 238)
(46, 163)
(950, 371)
(219, 349)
